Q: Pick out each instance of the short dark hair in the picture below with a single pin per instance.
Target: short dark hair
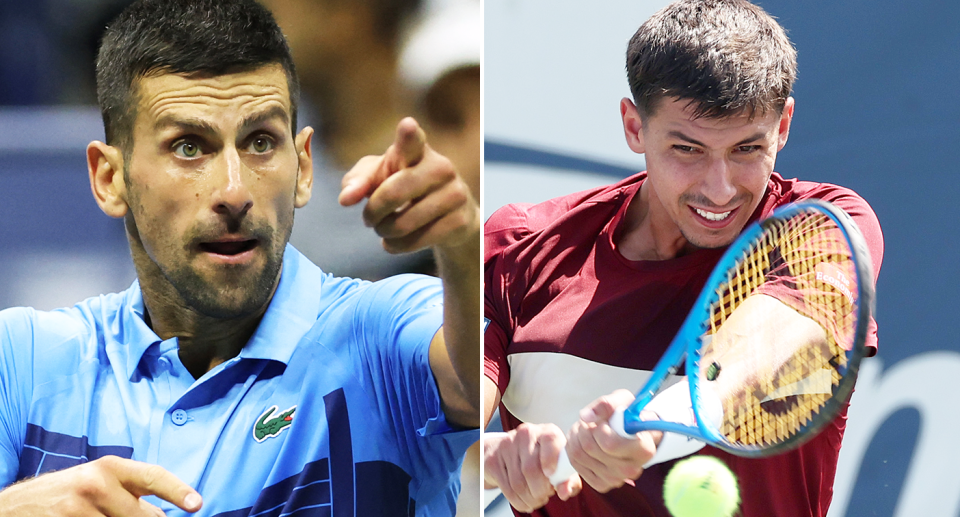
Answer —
(183, 36)
(726, 56)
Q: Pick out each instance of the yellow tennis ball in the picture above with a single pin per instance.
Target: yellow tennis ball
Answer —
(701, 486)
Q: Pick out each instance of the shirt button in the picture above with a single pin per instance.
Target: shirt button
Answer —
(179, 417)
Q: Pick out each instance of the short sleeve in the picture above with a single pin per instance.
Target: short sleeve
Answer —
(495, 354)
(16, 382)
(869, 225)
(399, 317)
(505, 227)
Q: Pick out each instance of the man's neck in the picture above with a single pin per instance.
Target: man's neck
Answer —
(203, 342)
(648, 233)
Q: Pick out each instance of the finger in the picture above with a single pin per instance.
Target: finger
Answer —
(583, 460)
(399, 190)
(569, 488)
(502, 469)
(492, 465)
(366, 176)
(497, 471)
(604, 459)
(362, 180)
(550, 446)
(603, 408)
(428, 219)
(409, 144)
(451, 230)
(120, 503)
(142, 479)
(536, 488)
(626, 455)
(149, 509)
(534, 471)
(513, 484)
(458, 223)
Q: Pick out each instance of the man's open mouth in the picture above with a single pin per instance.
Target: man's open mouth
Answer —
(228, 247)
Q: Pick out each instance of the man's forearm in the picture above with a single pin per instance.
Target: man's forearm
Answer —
(459, 268)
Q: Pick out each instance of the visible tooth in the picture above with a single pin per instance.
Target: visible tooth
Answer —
(713, 216)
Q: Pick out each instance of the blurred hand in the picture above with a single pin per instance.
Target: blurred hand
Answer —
(604, 459)
(416, 198)
(109, 486)
(519, 461)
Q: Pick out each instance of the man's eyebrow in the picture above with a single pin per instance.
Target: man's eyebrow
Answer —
(752, 138)
(203, 127)
(256, 119)
(187, 125)
(678, 135)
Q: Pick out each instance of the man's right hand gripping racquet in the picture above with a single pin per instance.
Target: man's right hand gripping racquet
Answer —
(771, 349)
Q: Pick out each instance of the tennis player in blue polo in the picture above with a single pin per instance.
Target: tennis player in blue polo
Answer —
(235, 377)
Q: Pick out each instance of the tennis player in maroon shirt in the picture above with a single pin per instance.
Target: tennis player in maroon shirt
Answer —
(584, 293)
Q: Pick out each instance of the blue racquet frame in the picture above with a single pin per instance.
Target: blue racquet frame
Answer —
(687, 342)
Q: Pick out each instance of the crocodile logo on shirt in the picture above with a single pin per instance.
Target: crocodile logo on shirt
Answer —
(270, 424)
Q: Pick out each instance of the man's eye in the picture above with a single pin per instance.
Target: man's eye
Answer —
(684, 148)
(186, 149)
(261, 144)
(747, 148)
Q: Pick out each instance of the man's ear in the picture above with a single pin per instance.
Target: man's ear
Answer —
(105, 166)
(632, 126)
(305, 163)
(786, 116)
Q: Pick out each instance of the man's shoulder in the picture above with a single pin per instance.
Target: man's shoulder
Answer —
(334, 291)
(60, 324)
(535, 215)
(339, 306)
(794, 190)
(391, 298)
(60, 339)
(516, 221)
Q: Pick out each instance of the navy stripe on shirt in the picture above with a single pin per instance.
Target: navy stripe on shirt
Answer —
(45, 451)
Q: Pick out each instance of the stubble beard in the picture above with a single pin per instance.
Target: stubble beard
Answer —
(697, 243)
(700, 243)
(238, 295)
(236, 292)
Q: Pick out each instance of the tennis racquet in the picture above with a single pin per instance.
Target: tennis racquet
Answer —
(772, 346)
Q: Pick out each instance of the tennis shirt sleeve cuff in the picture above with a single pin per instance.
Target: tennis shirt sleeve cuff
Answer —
(439, 425)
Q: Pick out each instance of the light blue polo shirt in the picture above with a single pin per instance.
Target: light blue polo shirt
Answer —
(330, 409)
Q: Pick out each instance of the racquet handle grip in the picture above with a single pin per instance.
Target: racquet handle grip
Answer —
(565, 469)
(616, 422)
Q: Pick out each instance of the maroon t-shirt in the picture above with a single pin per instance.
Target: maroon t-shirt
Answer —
(571, 319)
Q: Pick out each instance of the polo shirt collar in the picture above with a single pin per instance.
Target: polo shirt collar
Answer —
(292, 312)
(135, 335)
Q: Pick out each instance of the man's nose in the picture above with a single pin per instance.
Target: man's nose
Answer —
(232, 195)
(718, 184)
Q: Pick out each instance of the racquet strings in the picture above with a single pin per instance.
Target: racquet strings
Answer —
(805, 262)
